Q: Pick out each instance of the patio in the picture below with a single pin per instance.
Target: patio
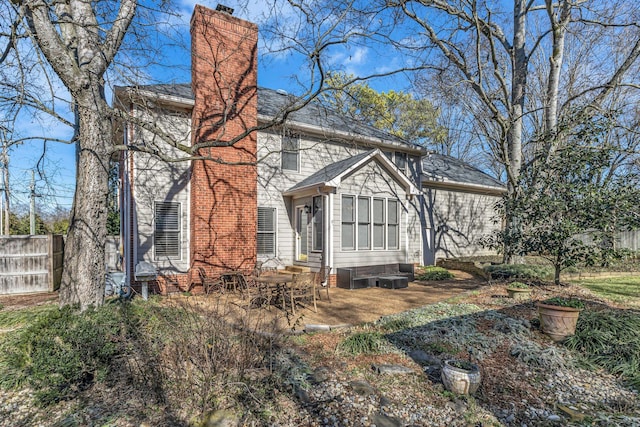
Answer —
(347, 307)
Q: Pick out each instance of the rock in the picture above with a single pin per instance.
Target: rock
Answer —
(385, 402)
(221, 418)
(554, 417)
(301, 394)
(317, 328)
(381, 420)
(572, 413)
(511, 418)
(362, 388)
(424, 358)
(392, 369)
(320, 375)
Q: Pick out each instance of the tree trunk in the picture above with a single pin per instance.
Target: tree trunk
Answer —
(519, 62)
(84, 268)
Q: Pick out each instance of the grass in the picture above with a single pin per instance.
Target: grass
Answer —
(623, 289)
(14, 319)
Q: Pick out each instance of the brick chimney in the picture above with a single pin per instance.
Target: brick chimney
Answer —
(224, 190)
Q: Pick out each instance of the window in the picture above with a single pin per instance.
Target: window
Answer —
(348, 222)
(392, 224)
(378, 223)
(290, 152)
(266, 231)
(364, 223)
(167, 230)
(401, 161)
(317, 222)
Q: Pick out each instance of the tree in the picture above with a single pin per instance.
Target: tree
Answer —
(570, 208)
(395, 112)
(77, 44)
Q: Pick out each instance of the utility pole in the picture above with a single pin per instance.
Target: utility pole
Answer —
(4, 163)
(32, 207)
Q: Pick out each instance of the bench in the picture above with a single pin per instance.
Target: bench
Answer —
(392, 276)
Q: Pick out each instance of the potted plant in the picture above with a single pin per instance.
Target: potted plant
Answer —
(518, 290)
(460, 376)
(559, 316)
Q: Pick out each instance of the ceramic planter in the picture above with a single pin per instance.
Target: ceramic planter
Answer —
(460, 381)
(557, 321)
(519, 293)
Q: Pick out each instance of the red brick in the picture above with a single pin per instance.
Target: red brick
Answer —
(223, 196)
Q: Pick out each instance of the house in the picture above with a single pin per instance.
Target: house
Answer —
(316, 189)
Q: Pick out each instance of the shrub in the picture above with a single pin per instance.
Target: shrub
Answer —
(434, 273)
(564, 302)
(609, 339)
(519, 271)
(63, 352)
(518, 285)
(361, 343)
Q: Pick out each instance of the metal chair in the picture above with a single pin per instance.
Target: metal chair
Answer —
(322, 281)
(210, 284)
(303, 288)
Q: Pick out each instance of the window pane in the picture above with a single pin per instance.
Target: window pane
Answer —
(266, 219)
(347, 209)
(290, 152)
(363, 210)
(266, 239)
(167, 244)
(167, 230)
(401, 160)
(393, 236)
(363, 236)
(378, 211)
(347, 236)
(378, 236)
(290, 161)
(266, 243)
(393, 212)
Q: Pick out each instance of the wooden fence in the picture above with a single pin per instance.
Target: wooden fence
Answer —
(623, 240)
(30, 263)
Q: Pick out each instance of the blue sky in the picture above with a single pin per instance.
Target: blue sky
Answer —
(278, 71)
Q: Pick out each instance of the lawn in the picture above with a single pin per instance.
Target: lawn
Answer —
(623, 289)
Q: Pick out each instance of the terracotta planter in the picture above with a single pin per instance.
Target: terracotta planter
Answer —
(557, 321)
(519, 293)
(460, 381)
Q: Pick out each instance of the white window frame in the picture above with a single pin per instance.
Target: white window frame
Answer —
(289, 136)
(267, 232)
(393, 245)
(352, 223)
(362, 223)
(405, 158)
(177, 230)
(377, 224)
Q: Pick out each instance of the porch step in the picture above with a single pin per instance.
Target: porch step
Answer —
(297, 269)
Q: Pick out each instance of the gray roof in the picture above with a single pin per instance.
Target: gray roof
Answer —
(330, 172)
(272, 103)
(435, 167)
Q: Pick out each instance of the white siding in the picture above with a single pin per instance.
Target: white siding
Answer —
(315, 154)
(456, 220)
(157, 180)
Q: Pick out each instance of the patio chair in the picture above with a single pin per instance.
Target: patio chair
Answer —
(255, 294)
(303, 288)
(322, 281)
(210, 284)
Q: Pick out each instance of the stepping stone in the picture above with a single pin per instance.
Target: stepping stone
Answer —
(392, 369)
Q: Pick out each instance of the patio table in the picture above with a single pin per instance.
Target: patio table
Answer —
(276, 283)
